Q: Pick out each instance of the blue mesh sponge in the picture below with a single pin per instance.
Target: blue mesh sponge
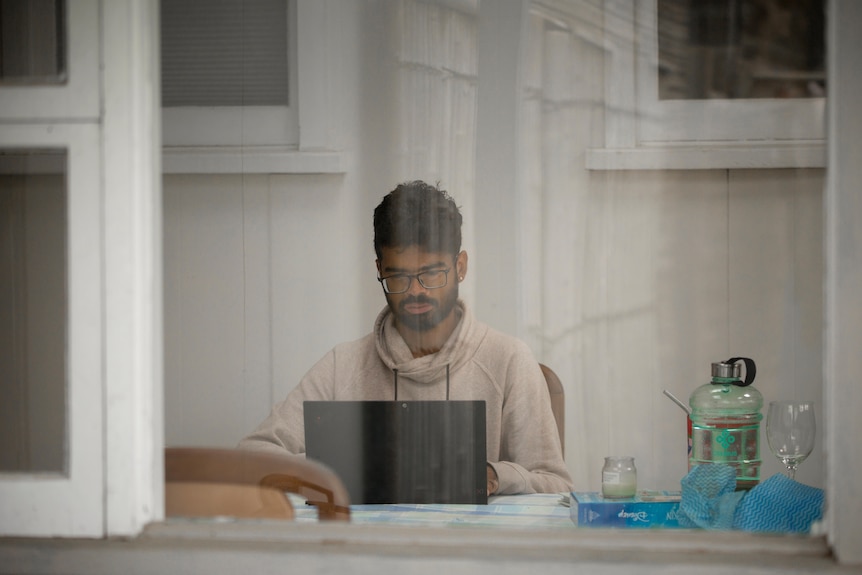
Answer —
(709, 497)
(780, 505)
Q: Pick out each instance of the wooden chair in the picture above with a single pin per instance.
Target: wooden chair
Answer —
(558, 401)
(207, 482)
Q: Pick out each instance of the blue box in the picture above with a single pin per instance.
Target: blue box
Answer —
(647, 509)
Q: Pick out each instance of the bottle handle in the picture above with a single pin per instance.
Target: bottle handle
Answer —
(750, 370)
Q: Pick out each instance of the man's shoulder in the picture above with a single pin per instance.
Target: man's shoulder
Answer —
(498, 340)
(346, 360)
(501, 352)
(355, 346)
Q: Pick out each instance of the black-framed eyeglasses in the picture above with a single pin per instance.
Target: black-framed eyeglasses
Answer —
(400, 283)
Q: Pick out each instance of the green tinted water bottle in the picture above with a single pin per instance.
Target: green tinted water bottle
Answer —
(725, 421)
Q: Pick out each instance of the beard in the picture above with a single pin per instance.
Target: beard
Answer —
(425, 321)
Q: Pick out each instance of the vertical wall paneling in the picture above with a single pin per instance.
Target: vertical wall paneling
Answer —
(775, 275)
(691, 290)
(205, 320)
(255, 388)
(530, 204)
(498, 251)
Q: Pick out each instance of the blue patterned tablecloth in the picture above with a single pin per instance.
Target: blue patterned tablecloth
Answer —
(546, 510)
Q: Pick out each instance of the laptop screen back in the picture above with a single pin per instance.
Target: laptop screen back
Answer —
(402, 451)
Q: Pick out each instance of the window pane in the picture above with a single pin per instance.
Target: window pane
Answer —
(33, 310)
(32, 42)
(227, 53)
(725, 49)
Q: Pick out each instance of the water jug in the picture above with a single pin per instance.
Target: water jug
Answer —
(725, 421)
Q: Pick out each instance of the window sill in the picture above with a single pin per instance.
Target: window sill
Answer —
(249, 160)
(198, 546)
(708, 157)
(425, 539)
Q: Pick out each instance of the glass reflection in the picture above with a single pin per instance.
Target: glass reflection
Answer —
(605, 261)
(741, 49)
(33, 310)
(32, 42)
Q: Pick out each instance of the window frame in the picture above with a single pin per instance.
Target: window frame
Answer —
(114, 481)
(71, 502)
(74, 98)
(68, 116)
(643, 132)
(211, 126)
(304, 137)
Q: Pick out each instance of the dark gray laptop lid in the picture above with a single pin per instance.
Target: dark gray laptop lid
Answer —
(402, 451)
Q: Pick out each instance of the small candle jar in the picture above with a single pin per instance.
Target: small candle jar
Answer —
(619, 477)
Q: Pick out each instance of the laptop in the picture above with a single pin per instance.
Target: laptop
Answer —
(401, 451)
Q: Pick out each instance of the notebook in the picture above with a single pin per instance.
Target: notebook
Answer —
(401, 451)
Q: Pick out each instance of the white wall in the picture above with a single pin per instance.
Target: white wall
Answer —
(630, 282)
(679, 270)
(258, 283)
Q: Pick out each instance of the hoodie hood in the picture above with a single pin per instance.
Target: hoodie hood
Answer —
(458, 349)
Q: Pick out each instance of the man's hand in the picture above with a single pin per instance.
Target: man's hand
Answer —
(493, 481)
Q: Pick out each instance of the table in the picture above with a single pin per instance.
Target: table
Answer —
(545, 510)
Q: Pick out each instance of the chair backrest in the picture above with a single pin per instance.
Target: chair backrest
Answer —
(558, 402)
(209, 482)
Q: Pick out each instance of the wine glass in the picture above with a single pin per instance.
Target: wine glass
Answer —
(790, 432)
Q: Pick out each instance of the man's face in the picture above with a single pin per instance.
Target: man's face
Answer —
(419, 308)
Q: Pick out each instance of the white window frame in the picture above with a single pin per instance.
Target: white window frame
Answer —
(67, 116)
(75, 98)
(240, 125)
(299, 138)
(113, 481)
(644, 132)
(72, 502)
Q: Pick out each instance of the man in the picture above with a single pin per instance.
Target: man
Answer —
(423, 330)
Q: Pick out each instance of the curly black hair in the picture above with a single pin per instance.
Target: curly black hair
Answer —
(416, 213)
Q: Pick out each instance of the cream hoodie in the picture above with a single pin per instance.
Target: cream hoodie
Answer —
(522, 441)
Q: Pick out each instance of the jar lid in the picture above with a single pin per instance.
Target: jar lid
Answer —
(727, 370)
